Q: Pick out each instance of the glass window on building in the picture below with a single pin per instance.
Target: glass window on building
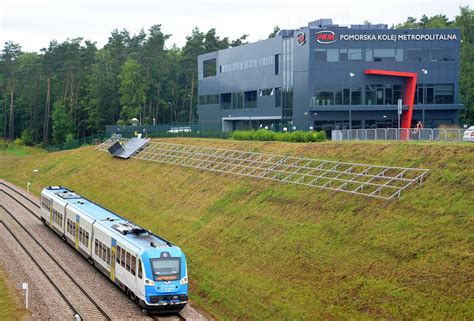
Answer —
(369, 55)
(356, 96)
(320, 55)
(429, 95)
(324, 98)
(414, 55)
(370, 96)
(343, 55)
(237, 100)
(355, 54)
(396, 93)
(346, 99)
(435, 54)
(399, 55)
(444, 93)
(226, 101)
(250, 99)
(209, 68)
(447, 54)
(379, 94)
(384, 55)
(277, 64)
(425, 55)
(277, 97)
(332, 55)
(266, 92)
(338, 95)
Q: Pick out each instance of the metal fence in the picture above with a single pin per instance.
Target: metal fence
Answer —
(84, 141)
(211, 130)
(425, 134)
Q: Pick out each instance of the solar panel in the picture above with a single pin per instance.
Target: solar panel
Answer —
(128, 148)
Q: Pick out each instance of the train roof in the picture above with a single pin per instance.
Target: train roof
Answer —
(123, 228)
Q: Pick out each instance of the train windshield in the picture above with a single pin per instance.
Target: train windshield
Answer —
(165, 269)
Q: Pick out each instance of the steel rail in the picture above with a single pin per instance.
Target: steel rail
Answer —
(28, 199)
(37, 217)
(87, 295)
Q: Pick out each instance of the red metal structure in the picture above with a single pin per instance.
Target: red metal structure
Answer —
(409, 93)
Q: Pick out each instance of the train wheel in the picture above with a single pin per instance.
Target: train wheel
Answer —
(132, 295)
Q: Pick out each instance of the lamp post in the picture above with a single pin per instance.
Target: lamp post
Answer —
(171, 112)
(425, 72)
(351, 75)
(190, 108)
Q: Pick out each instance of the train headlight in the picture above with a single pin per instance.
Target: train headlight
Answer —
(184, 280)
(149, 282)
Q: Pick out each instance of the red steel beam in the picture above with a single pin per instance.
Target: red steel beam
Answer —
(409, 92)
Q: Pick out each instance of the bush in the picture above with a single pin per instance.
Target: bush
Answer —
(18, 142)
(265, 135)
(27, 137)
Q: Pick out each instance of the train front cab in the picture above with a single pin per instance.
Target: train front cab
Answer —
(165, 280)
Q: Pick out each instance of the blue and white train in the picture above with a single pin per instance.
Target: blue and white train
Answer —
(151, 270)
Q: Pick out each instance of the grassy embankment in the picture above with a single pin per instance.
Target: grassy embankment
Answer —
(11, 305)
(269, 251)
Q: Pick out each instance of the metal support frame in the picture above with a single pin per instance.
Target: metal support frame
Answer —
(384, 182)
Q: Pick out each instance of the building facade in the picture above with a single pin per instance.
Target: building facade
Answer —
(325, 76)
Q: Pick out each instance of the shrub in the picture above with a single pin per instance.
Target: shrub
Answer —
(242, 135)
(18, 142)
(265, 135)
(27, 137)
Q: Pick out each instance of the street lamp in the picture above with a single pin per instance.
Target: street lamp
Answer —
(171, 112)
(351, 75)
(424, 72)
(190, 108)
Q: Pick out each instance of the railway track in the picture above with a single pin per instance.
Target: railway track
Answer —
(8, 219)
(76, 297)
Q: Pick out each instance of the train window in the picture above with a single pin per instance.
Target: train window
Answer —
(133, 265)
(140, 268)
(127, 263)
(87, 239)
(96, 247)
(117, 256)
(104, 254)
(108, 255)
(122, 258)
(100, 249)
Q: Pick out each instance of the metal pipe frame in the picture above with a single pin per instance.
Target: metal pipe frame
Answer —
(383, 182)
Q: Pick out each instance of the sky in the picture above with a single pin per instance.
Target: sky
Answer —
(34, 23)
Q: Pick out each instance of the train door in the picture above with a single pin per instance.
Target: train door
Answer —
(112, 262)
(51, 213)
(140, 277)
(78, 220)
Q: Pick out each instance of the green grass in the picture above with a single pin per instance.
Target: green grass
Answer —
(261, 250)
(10, 301)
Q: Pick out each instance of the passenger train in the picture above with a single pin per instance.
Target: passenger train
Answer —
(151, 270)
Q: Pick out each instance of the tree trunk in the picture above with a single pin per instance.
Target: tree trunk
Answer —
(35, 110)
(5, 117)
(157, 104)
(12, 112)
(46, 112)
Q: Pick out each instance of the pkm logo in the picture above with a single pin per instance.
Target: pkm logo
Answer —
(301, 38)
(325, 37)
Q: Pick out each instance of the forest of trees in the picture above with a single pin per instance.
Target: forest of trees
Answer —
(73, 89)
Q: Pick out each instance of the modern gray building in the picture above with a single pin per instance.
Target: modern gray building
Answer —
(326, 76)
